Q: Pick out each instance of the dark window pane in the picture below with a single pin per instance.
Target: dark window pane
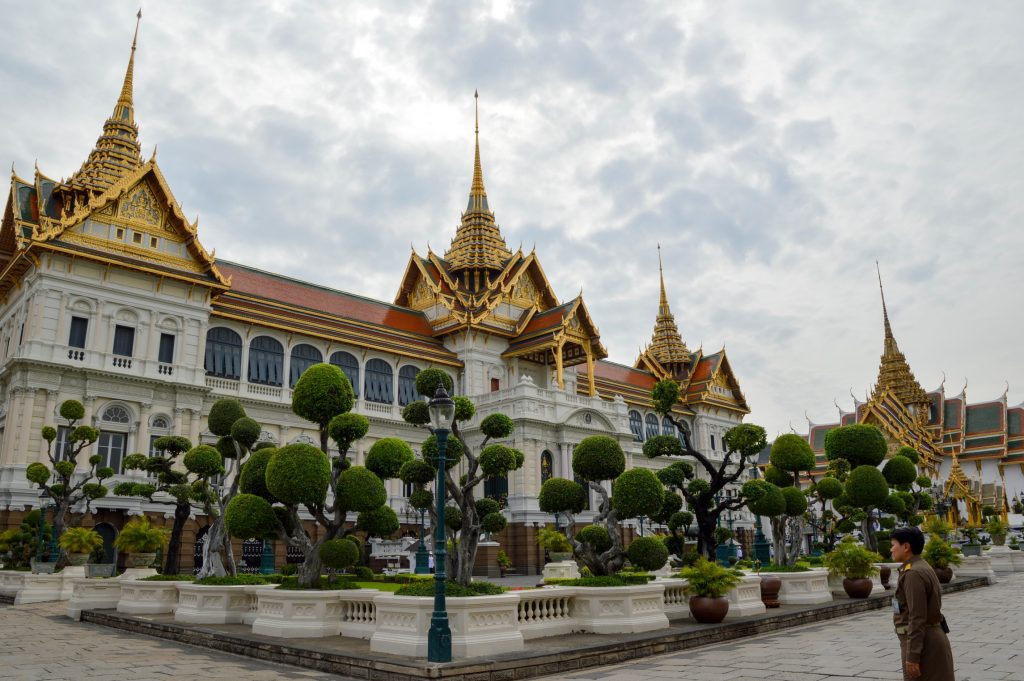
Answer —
(79, 327)
(166, 348)
(223, 353)
(303, 357)
(124, 340)
(652, 426)
(497, 488)
(266, 361)
(407, 384)
(379, 382)
(636, 425)
(350, 365)
(111, 450)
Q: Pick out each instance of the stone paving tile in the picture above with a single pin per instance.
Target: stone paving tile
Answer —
(985, 623)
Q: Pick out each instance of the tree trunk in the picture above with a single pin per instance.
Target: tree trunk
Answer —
(779, 539)
(868, 528)
(796, 539)
(309, 570)
(172, 561)
(706, 534)
(213, 551)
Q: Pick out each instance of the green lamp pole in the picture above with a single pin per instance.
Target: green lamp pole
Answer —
(43, 496)
(267, 558)
(422, 555)
(54, 551)
(439, 638)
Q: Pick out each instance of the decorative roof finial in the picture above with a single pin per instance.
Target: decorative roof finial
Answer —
(885, 312)
(126, 88)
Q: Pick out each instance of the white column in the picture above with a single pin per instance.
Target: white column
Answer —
(48, 418)
(193, 426)
(178, 414)
(142, 439)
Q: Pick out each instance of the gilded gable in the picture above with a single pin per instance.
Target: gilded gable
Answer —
(140, 205)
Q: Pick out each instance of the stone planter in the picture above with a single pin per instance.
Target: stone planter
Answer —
(1002, 558)
(93, 594)
(546, 612)
(971, 549)
(296, 614)
(11, 581)
(68, 576)
(140, 560)
(565, 569)
(100, 569)
(977, 566)
(77, 559)
(621, 609)
(480, 625)
(148, 598)
(745, 598)
(136, 573)
(803, 588)
(39, 589)
(199, 604)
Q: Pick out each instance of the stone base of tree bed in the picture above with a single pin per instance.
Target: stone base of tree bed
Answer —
(11, 582)
(148, 598)
(68, 577)
(621, 609)
(977, 566)
(137, 573)
(480, 625)
(93, 594)
(563, 569)
(39, 589)
(1004, 559)
(803, 588)
(745, 598)
(288, 613)
(199, 604)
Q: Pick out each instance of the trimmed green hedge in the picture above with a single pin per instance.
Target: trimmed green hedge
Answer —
(425, 588)
(237, 580)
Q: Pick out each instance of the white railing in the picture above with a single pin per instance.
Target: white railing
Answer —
(545, 612)
(264, 390)
(677, 601)
(225, 384)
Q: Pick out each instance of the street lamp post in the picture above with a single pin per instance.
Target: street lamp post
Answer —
(43, 496)
(762, 552)
(267, 558)
(439, 638)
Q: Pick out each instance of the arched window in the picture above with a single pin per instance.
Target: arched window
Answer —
(636, 425)
(223, 353)
(545, 466)
(652, 426)
(160, 422)
(266, 361)
(113, 440)
(348, 363)
(115, 413)
(497, 488)
(684, 437)
(379, 381)
(666, 426)
(303, 357)
(407, 384)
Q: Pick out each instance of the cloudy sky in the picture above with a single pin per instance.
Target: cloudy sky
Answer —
(774, 149)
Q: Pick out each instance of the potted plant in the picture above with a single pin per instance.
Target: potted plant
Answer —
(941, 556)
(770, 587)
(140, 541)
(855, 564)
(503, 561)
(558, 547)
(708, 583)
(1014, 543)
(997, 529)
(972, 547)
(79, 542)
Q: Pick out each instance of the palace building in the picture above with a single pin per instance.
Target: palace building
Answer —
(107, 296)
(975, 452)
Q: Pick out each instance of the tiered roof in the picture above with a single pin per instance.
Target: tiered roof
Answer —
(894, 374)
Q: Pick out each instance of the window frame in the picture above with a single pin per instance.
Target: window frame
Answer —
(223, 349)
(84, 332)
(118, 330)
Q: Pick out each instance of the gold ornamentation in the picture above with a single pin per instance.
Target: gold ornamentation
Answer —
(141, 205)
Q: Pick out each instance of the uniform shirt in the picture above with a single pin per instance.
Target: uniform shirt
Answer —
(920, 598)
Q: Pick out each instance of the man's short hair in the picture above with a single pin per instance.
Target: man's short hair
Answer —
(909, 535)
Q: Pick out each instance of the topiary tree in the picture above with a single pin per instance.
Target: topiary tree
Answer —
(238, 437)
(647, 553)
(22, 543)
(636, 492)
(703, 493)
(831, 515)
(790, 457)
(298, 476)
(487, 460)
(169, 484)
(66, 486)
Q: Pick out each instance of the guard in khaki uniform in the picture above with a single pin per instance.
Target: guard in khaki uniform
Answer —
(917, 612)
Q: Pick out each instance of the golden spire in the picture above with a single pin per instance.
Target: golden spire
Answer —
(894, 372)
(667, 344)
(117, 151)
(478, 243)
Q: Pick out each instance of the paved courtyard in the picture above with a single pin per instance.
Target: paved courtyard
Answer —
(987, 627)
(40, 643)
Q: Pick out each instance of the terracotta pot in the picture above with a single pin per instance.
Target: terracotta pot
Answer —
(945, 575)
(709, 610)
(770, 585)
(858, 587)
(884, 572)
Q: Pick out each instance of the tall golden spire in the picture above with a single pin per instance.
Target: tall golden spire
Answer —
(117, 151)
(478, 244)
(894, 372)
(667, 344)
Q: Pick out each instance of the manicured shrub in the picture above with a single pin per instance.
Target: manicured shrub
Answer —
(360, 490)
(246, 431)
(172, 444)
(299, 474)
(417, 472)
(663, 445)
(339, 554)
(417, 413)
(421, 498)
(486, 505)
(866, 487)
(228, 448)
(796, 501)
(680, 521)
(379, 522)
(428, 381)
(664, 396)
(791, 453)
(894, 504)
(496, 426)
(322, 392)
(647, 553)
(497, 460)
(464, 408)
(672, 504)
(253, 478)
(37, 473)
(223, 415)
(910, 453)
(899, 470)
(249, 516)
(425, 589)
(72, 410)
(233, 580)
(364, 573)
(860, 444)
(597, 458)
(764, 498)
(204, 461)
(453, 518)
(637, 492)
(828, 488)
(676, 474)
(387, 456)
(452, 453)
(595, 535)
(493, 522)
(49, 433)
(558, 495)
(778, 477)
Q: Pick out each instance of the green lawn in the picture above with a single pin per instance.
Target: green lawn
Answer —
(380, 586)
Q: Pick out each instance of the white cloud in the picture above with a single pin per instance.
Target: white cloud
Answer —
(774, 149)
